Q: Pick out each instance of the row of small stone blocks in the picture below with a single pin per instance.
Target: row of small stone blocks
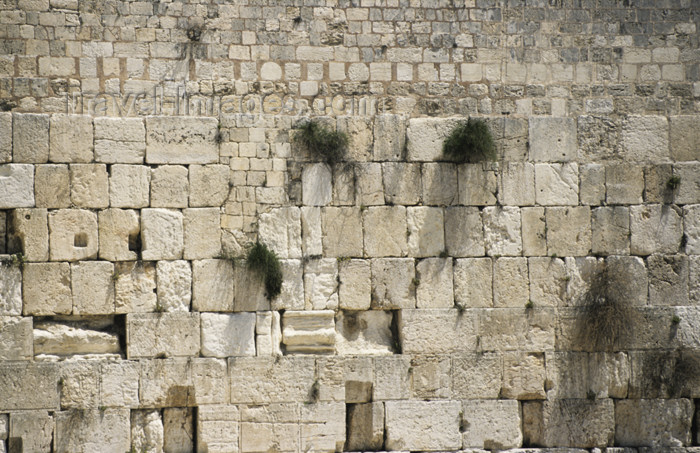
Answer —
(285, 401)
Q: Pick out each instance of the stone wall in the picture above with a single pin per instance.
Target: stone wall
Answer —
(545, 301)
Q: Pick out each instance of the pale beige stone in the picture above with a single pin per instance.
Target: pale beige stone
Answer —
(365, 427)
(94, 430)
(129, 186)
(582, 374)
(668, 279)
(119, 383)
(259, 436)
(260, 380)
(385, 231)
(685, 137)
(162, 234)
(477, 375)
(311, 231)
(317, 188)
(491, 424)
(70, 138)
(28, 385)
(120, 140)
(354, 291)
(552, 139)
(569, 231)
(147, 431)
(569, 423)
(688, 191)
(5, 137)
(217, 428)
(439, 184)
(80, 385)
(510, 282)
(181, 140)
(592, 184)
(624, 184)
(517, 184)
(226, 335)
(46, 289)
(174, 285)
(422, 425)
(212, 285)
(389, 137)
(30, 138)
(402, 183)
(534, 231)
(359, 130)
(202, 233)
(89, 185)
(655, 229)
(342, 231)
(73, 235)
(517, 329)
(691, 228)
(556, 184)
(119, 234)
(645, 139)
(268, 334)
(548, 281)
(93, 287)
(280, 230)
(172, 334)
(16, 186)
(393, 284)
(31, 430)
(425, 231)
(610, 230)
(523, 376)
(478, 185)
(424, 137)
(464, 232)
(369, 190)
(364, 333)
(52, 186)
(169, 186)
(321, 284)
(437, 331)
(431, 377)
(209, 185)
(502, 231)
(434, 289)
(309, 331)
(178, 430)
(29, 233)
(292, 295)
(11, 289)
(473, 282)
(135, 287)
(322, 426)
(249, 290)
(16, 338)
(392, 379)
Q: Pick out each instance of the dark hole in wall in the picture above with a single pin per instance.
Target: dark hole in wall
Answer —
(135, 243)
(80, 240)
(14, 445)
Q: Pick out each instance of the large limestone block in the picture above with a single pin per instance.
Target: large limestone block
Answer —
(389, 137)
(464, 232)
(16, 338)
(425, 137)
(477, 375)
(93, 287)
(365, 427)
(162, 234)
(217, 428)
(569, 423)
(478, 185)
(210, 381)
(552, 139)
(392, 378)
(249, 290)
(359, 131)
(129, 186)
(322, 426)
(369, 190)
(523, 376)
(209, 185)
(668, 279)
(516, 329)
(70, 138)
(321, 284)
(226, 335)
(202, 233)
(174, 285)
(425, 231)
(292, 295)
(89, 185)
(431, 377)
(29, 386)
(282, 437)
(147, 431)
(11, 289)
(548, 281)
(354, 290)
(73, 235)
(473, 282)
(261, 380)
(268, 334)
(344, 185)
(610, 230)
(178, 430)
(5, 137)
(134, 287)
(119, 383)
(30, 138)
(80, 385)
(511, 282)
(685, 138)
(167, 383)
(316, 185)
(645, 139)
(689, 189)
(385, 231)
(439, 184)
(120, 140)
(624, 184)
(280, 230)
(169, 186)
(46, 289)
(598, 137)
(52, 186)
(534, 231)
(16, 186)
(364, 333)
(569, 231)
(655, 229)
(434, 277)
(66, 338)
(213, 284)
(393, 283)
(582, 375)
(309, 332)
(423, 425)
(311, 231)
(556, 184)
(342, 231)
(29, 233)
(180, 140)
(502, 231)
(30, 431)
(119, 231)
(437, 331)
(402, 183)
(491, 424)
(691, 226)
(517, 184)
(653, 423)
(592, 184)
(80, 431)
(169, 334)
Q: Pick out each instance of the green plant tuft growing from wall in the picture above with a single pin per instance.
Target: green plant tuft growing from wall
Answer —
(322, 142)
(470, 142)
(265, 262)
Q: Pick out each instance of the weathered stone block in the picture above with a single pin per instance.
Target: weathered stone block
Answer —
(52, 186)
(89, 185)
(30, 431)
(691, 228)
(656, 179)
(425, 137)
(389, 137)
(309, 331)
(180, 140)
(393, 284)
(439, 184)
(311, 231)
(523, 376)
(225, 335)
(402, 183)
(464, 233)
(29, 386)
(46, 289)
(655, 229)
(16, 338)
(685, 138)
(119, 234)
(364, 333)
(80, 385)
(119, 383)
(93, 287)
(534, 231)
(645, 139)
(610, 231)
(73, 235)
(5, 137)
(342, 232)
(280, 229)
(515, 329)
(16, 186)
(517, 184)
(66, 338)
(552, 139)
(369, 190)
(437, 331)
(556, 184)
(491, 424)
(249, 290)
(425, 231)
(598, 137)
(548, 281)
(120, 140)
(178, 430)
(624, 184)
(129, 186)
(11, 289)
(209, 185)
(146, 431)
(169, 334)
(169, 186)
(135, 287)
(202, 233)
(162, 234)
(431, 377)
(511, 283)
(322, 426)
(321, 284)
(94, 430)
(478, 185)
(343, 185)
(392, 379)
(269, 436)
(292, 295)
(354, 291)
(477, 376)
(654, 423)
(592, 184)
(385, 229)
(174, 285)
(168, 383)
(261, 380)
(689, 189)
(583, 375)
(217, 428)
(502, 231)
(473, 282)
(317, 187)
(365, 427)
(569, 231)
(434, 283)
(29, 234)
(30, 138)
(569, 423)
(422, 425)
(268, 334)
(668, 279)
(70, 138)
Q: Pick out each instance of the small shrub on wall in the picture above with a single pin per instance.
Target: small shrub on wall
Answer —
(322, 142)
(470, 142)
(264, 261)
